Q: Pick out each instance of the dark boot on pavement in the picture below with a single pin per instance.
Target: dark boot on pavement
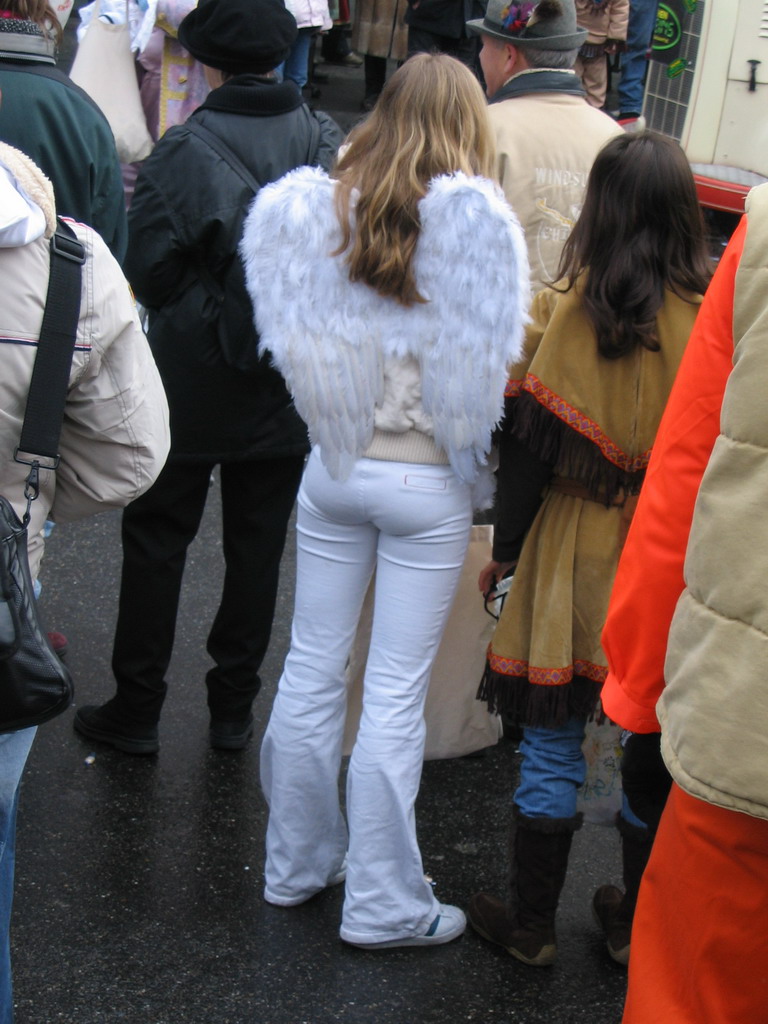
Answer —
(109, 724)
(613, 909)
(525, 927)
(230, 735)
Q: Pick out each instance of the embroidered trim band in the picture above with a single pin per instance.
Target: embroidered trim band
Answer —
(518, 668)
(577, 421)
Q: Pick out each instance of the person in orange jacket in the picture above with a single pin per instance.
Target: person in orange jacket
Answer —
(695, 955)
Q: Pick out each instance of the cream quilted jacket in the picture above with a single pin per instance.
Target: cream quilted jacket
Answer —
(714, 710)
(115, 437)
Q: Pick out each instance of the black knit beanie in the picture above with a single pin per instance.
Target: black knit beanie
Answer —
(239, 36)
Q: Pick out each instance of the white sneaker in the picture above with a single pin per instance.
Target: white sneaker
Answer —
(340, 875)
(295, 901)
(447, 926)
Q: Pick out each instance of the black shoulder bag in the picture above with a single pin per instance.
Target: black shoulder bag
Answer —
(35, 685)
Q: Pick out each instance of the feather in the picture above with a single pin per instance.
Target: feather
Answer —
(297, 288)
(330, 339)
(471, 258)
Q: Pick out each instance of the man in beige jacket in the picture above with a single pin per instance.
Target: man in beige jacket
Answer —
(547, 135)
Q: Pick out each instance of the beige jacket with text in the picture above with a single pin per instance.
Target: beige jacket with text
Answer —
(547, 143)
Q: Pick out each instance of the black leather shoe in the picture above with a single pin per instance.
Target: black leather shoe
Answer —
(230, 735)
(105, 725)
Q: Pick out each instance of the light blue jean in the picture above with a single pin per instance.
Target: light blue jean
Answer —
(551, 771)
(296, 64)
(14, 748)
(642, 18)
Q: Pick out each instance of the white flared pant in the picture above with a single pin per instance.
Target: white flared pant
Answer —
(411, 523)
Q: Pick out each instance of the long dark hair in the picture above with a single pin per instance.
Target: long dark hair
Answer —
(640, 232)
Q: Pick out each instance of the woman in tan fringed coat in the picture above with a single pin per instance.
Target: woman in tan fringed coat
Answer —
(582, 412)
(380, 34)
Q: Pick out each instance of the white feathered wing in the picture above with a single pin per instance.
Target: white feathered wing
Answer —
(472, 265)
(329, 338)
(325, 346)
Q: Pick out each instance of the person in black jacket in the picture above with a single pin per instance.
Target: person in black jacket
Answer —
(440, 25)
(227, 407)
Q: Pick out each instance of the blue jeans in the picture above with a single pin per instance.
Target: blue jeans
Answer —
(552, 769)
(14, 748)
(642, 18)
(296, 64)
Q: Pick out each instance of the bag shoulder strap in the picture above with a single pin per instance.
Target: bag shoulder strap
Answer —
(44, 412)
(227, 155)
(231, 158)
(314, 137)
(234, 161)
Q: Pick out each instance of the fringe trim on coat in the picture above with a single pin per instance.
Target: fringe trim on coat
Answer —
(577, 445)
(539, 707)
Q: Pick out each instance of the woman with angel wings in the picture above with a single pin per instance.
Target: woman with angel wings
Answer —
(392, 297)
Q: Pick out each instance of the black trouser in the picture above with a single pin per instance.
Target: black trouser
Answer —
(334, 43)
(256, 500)
(375, 75)
(645, 778)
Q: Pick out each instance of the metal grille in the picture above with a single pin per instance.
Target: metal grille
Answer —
(666, 99)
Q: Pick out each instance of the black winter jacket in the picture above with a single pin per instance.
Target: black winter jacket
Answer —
(444, 17)
(187, 211)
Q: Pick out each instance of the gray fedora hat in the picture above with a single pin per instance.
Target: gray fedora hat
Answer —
(546, 25)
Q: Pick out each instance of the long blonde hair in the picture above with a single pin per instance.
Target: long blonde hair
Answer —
(431, 119)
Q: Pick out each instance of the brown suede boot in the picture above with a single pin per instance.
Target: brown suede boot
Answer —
(613, 909)
(526, 926)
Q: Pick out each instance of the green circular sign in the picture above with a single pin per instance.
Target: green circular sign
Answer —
(668, 31)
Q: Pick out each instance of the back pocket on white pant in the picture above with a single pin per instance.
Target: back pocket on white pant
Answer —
(425, 483)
